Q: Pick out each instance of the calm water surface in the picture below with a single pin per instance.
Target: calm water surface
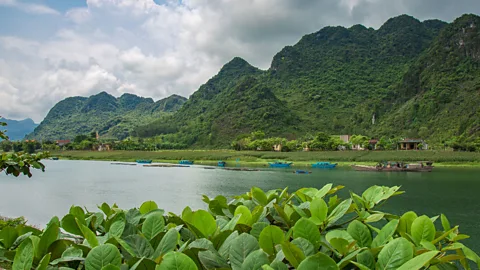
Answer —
(454, 192)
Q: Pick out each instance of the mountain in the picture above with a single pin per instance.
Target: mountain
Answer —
(16, 130)
(406, 78)
(112, 117)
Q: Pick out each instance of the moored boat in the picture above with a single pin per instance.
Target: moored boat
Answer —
(280, 164)
(302, 172)
(395, 167)
(221, 163)
(144, 161)
(186, 162)
(54, 158)
(324, 165)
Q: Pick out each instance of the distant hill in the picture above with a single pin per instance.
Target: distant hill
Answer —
(16, 130)
(111, 117)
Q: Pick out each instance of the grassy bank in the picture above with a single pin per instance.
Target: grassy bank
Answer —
(259, 158)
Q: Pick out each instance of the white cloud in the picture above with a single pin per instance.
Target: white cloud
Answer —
(155, 50)
(29, 7)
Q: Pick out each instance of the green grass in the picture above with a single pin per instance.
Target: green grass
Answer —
(259, 157)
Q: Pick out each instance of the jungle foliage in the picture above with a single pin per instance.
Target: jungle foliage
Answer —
(307, 229)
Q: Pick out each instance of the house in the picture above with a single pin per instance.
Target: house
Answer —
(277, 148)
(104, 147)
(345, 138)
(412, 144)
(372, 144)
(62, 142)
(357, 147)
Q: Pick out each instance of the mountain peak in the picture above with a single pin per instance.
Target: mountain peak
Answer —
(236, 64)
(399, 22)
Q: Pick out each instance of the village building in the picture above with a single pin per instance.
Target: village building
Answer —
(412, 144)
(62, 142)
(372, 144)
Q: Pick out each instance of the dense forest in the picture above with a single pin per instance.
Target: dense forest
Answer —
(406, 79)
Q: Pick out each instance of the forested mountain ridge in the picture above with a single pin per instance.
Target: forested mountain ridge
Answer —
(111, 117)
(17, 129)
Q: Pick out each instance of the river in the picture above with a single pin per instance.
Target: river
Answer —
(454, 192)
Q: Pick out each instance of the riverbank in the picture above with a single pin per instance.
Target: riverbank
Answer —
(260, 158)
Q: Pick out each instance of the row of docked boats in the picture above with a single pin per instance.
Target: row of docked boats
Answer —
(318, 165)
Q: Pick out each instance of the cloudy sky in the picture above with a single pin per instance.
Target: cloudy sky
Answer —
(53, 49)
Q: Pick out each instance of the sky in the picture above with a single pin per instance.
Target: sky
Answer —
(54, 49)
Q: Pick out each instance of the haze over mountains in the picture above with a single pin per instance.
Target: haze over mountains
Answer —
(17, 129)
(408, 78)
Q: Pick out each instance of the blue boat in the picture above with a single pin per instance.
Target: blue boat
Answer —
(186, 162)
(222, 163)
(144, 161)
(280, 164)
(324, 165)
(302, 172)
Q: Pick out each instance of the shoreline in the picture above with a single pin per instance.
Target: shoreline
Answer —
(261, 159)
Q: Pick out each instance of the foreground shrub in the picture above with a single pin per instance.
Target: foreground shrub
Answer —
(308, 229)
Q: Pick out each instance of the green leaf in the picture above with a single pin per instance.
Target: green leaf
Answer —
(361, 266)
(246, 217)
(43, 264)
(278, 265)
(323, 191)
(385, 233)
(168, 243)
(270, 237)
(319, 210)
(133, 216)
(212, 260)
(445, 223)
(147, 207)
(257, 228)
(339, 211)
(69, 224)
(24, 256)
(318, 261)
(305, 245)
(405, 223)
(230, 225)
(360, 233)
(176, 261)
(255, 260)
(423, 229)
(139, 246)
(8, 235)
(153, 225)
(48, 237)
(395, 254)
(224, 250)
(292, 253)
(117, 228)
(101, 256)
(110, 267)
(366, 258)
(259, 196)
(203, 222)
(240, 248)
(307, 229)
(419, 261)
(88, 234)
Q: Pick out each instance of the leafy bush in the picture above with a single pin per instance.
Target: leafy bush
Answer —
(308, 229)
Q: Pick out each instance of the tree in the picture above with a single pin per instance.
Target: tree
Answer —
(17, 163)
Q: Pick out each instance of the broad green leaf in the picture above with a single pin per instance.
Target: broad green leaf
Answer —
(257, 228)
(224, 250)
(105, 209)
(48, 237)
(259, 196)
(139, 245)
(203, 222)
(374, 218)
(360, 233)
(133, 216)
(395, 254)
(292, 253)
(423, 229)
(69, 224)
(147, 207)
(270, 237)
(153, 225)
(77, 212)
(361, 266)
(278, 265)
(212, 260)
(111, 267)
(385, 234)
(101, 256)
(88, 234)
(405, 223)
(117, 228)
(203, 244)
(255, 260)
(305, 245)
(307, 229)
(339, 234)
(72, 252)
(176, 261)
(8, 235)
(230, 225)
(43, 264)
(323, 191)
(318, 209)
(246, 217)
(24, 256)
(240, 248)
(339, 211)
(445, 223)
(366, 258)
(419, 261)
(168, 243)
(318, 261)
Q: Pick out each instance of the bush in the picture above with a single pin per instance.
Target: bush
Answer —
(307, 229)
